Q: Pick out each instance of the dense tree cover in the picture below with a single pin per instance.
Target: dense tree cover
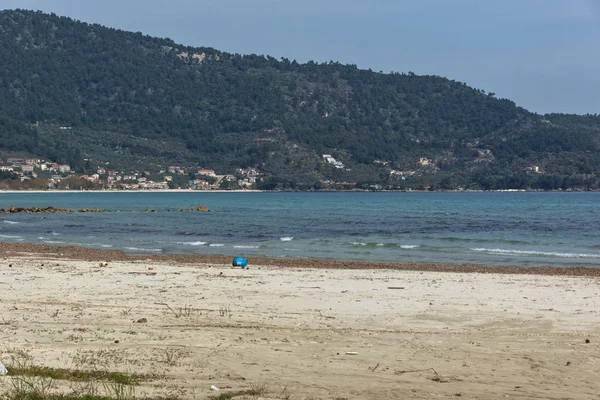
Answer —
(232, 110)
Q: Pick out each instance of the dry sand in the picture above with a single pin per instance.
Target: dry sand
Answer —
(308, 332)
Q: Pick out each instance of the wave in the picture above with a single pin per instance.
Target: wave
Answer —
(106, 245)
(11, 222)
(10, 237)
(474, 240)
(216, 245)
(245, 247)
(534, 253)
(195, 233)
(140, 249)
(53, 242)
(287, 239)
(385, 245)
(192, 243)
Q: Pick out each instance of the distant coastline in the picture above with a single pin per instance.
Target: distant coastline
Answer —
(133, 191)
(295, 191)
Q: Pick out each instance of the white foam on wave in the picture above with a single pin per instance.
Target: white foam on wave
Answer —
(533, 253)
(216, 245)
(245, 247)
(55, 234)
(358, 243)
(409, 246)
(11, 222)
(192, 243)
(140, 249)
(10, 236)
(379, 244)
(53, 241)
(287, 238)
(106, 245)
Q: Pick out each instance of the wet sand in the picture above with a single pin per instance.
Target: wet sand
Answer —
(307, 328)
(88, 254)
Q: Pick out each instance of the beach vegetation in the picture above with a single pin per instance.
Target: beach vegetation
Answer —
(44, 388)
(173, 357)
(257, 389)
(35, 382)
(75, 375)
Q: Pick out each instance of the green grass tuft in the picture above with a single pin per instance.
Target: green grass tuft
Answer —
(75, 375)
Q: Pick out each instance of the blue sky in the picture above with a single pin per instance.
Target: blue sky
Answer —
(543, 54)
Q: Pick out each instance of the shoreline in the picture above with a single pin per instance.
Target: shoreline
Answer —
(90, 254)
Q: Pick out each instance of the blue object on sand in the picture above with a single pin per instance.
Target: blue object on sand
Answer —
(240, 262)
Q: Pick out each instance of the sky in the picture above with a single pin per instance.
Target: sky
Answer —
(542, 54)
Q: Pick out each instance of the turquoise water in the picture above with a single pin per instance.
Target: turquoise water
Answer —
(526, 229)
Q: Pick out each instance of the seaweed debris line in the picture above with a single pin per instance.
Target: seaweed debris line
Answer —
(50, 209)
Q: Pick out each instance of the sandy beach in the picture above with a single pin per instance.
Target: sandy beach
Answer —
(295, 330)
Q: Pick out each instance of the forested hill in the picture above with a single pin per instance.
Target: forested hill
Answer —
(120, 90)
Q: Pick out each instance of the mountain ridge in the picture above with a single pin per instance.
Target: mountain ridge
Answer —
(234, 111)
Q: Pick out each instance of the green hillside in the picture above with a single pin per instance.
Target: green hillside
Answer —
(137, 102)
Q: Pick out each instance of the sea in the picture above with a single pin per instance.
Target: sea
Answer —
(487, 228)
